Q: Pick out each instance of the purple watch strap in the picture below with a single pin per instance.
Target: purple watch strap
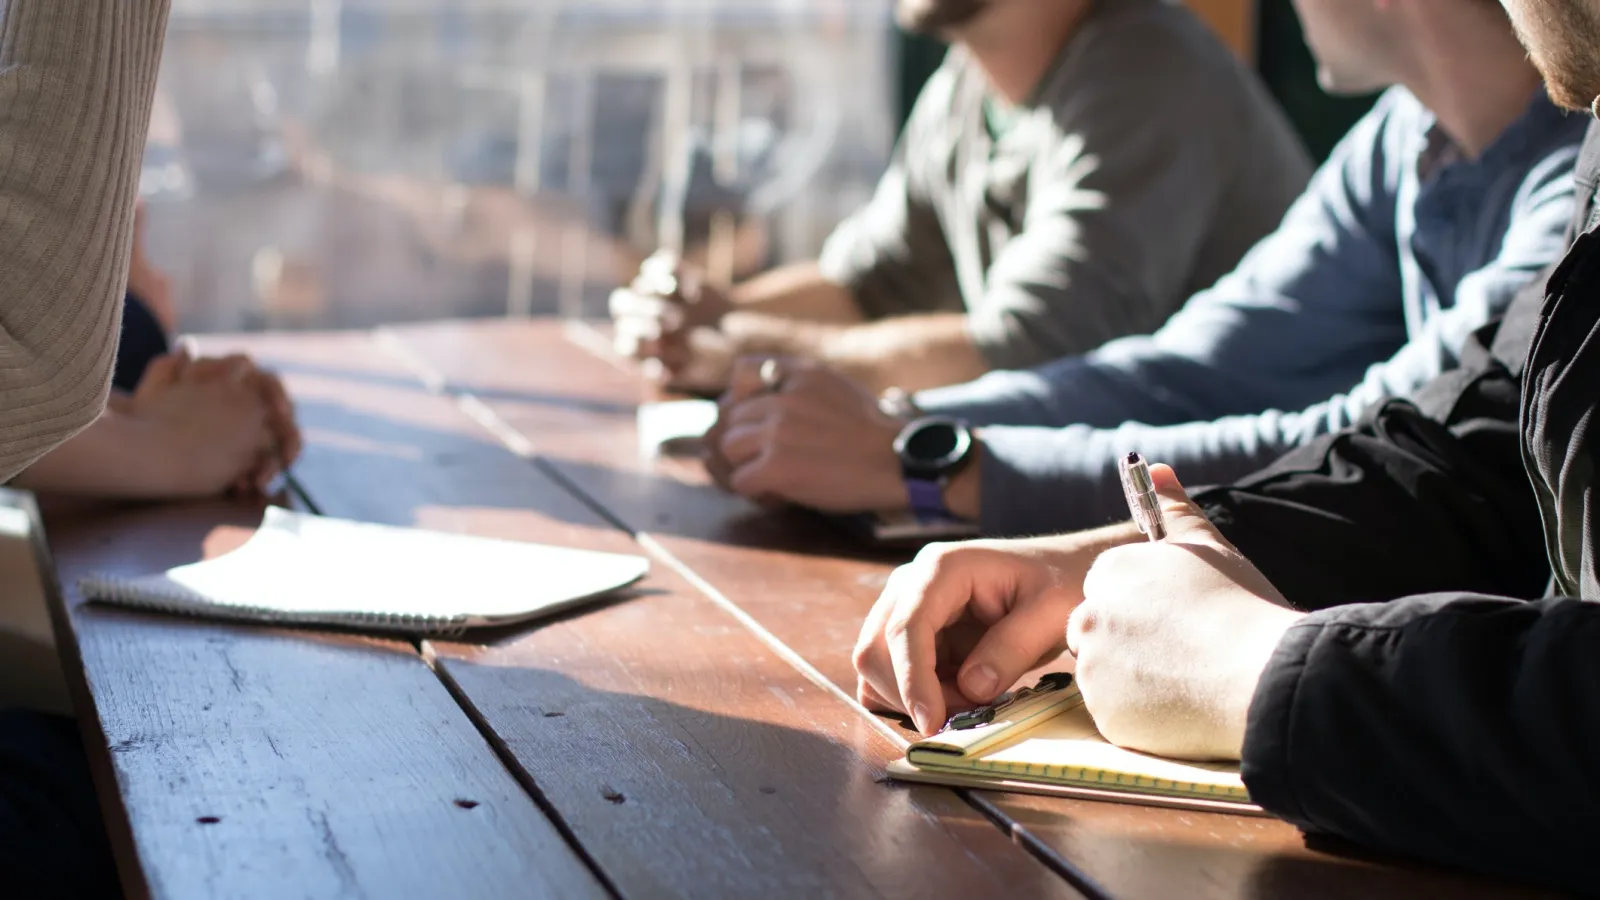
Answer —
(927, 499)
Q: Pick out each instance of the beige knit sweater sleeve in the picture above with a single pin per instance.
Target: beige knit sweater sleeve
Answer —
(77, 78)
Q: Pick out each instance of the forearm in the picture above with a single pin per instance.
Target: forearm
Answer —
(798, 292)
(1055, 479)
(1459, 729)
(76, 84)
(909, 352)
(118, 457)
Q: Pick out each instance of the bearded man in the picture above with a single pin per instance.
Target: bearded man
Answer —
(1072, 174)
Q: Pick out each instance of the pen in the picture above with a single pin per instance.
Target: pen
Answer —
(1143, 502)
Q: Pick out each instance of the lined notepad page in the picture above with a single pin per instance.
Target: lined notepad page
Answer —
(305, 568)
(1066, 748)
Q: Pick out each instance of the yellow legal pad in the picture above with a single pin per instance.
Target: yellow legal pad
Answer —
(1043, 741)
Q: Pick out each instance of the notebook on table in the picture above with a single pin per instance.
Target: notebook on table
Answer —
(301, 569)
(1042, 741)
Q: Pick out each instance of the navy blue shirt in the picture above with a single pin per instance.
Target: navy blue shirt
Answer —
(1398, 251)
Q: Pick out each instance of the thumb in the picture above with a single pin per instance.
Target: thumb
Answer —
(1182, 517)
(1010, 648)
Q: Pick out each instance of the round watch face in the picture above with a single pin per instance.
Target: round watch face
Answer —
(931, 447)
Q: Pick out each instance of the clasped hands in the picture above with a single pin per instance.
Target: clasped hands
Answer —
(1170, 638)
(670, 315)
(224, 424)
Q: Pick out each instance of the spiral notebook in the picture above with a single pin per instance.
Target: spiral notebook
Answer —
(1041, 740)
(302, 569)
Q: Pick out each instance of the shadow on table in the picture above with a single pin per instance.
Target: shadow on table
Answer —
(658, 503)
(1134, 853)
(673, 800)
(358, 460)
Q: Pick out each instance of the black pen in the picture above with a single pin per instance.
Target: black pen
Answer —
(1143, 501)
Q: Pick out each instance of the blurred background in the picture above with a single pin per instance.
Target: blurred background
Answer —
(347, 163)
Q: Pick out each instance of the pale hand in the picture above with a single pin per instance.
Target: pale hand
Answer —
(961, 623)
(819, 441)
(227, 425)
(1172, 637)
(670, 314)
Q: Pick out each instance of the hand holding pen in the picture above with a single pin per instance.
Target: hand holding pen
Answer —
(1174, 632)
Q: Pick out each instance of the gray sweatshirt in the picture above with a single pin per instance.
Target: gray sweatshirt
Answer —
(77, 80)
(1146, 163)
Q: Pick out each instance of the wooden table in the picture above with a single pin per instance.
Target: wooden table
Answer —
(695, 738)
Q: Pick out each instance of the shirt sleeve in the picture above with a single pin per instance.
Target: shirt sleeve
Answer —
(1058, 479)
(77, 78)
(892, 255)
(1460, 729)
(1140, 183)
(1301, 318)
(1432, 489)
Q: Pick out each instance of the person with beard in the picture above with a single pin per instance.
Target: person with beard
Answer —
(1072, 174)
(1393, 629)
(1429, 217)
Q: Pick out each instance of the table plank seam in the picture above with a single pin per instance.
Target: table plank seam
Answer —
(513, 440)
(481, 413)
(518, 773)
(1038, 848)
(486, 417)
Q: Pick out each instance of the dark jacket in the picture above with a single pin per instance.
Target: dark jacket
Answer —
(1443, 699)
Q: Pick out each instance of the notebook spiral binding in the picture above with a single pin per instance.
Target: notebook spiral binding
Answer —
(177, 600)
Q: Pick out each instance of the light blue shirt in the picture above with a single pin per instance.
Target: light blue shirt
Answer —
(1399, 249)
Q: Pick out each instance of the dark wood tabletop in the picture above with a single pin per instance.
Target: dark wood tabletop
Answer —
(696, 736)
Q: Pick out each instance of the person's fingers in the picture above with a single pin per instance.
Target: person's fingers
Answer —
(673, 350)
(661, 272)
(628, 305)
(752, 376)
(266, 472)
(914, 652)
(636, 337)
(1080, 624)
(280, 411)
(761, 479)
(758, 410)
(1011, 646)
(869, 697)
(1180, 514)
(718, 468)
(744, 441)
(234, 369)
(871, 655)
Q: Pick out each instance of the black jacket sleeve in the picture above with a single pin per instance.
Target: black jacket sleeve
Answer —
(1458, 728)
(1423, 496)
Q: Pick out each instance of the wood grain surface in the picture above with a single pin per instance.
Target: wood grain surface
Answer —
(684, 755)
(555, 394)
(236, 761)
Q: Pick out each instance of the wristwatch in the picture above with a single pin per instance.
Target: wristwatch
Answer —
(932, 450)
